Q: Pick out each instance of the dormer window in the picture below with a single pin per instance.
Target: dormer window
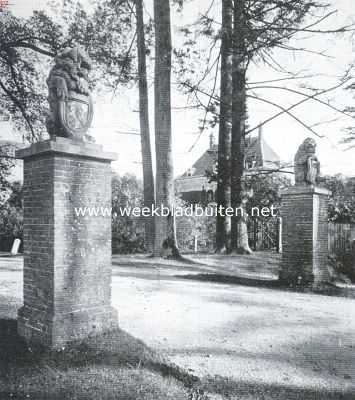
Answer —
(250, 163)
(190, 171)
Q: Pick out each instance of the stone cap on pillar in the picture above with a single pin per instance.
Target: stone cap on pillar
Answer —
(305, 189)
(66, 146)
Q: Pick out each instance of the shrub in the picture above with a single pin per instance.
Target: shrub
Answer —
(343, 266)
(127, 230)
(11, 217)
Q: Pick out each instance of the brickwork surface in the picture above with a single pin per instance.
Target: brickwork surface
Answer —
(67, 269)
(304, 236)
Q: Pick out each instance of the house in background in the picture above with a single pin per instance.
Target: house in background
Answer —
(194, 187)
(10, 141)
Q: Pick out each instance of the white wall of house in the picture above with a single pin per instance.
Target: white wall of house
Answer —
(9, 135)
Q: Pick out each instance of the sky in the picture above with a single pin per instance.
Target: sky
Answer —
(284, 134)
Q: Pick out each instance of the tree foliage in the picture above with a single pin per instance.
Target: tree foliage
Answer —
(11, 215)
(22, 83)
(28, 45)
(264, 190)
(127, 231)
(342, 200)
(6, 164)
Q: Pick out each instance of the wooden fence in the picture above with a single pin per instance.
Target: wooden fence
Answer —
(340, 238)
(195, 235)
(264, 234)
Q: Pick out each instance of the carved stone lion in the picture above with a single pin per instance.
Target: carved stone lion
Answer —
(307, 166)
(69, 98)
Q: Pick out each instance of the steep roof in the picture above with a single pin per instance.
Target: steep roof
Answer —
(256, 147)
(205, 163)
(269, 155)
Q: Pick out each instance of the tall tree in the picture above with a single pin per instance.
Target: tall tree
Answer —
(165, 234)
(148, 179)
(223, 227)
(258, 28)
(262, 27)
(239, 233)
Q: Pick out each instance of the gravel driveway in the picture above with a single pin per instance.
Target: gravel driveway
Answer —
(244, 342)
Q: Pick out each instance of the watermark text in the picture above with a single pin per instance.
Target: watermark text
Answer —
(164, 211)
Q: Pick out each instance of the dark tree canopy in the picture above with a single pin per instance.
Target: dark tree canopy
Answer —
(28, 45)
(342, 201)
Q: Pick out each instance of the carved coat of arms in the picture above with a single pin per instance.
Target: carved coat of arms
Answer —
(71, 106)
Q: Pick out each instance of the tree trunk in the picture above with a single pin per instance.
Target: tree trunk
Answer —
(165, 234)
(148, 179)
(239, 234)
(223, 227)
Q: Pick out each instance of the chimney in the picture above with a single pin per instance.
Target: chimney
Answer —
(260, 133)
(260, 146)
(211, 141)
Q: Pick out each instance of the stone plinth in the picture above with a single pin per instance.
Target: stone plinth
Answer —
(67, 267)
(304, 235)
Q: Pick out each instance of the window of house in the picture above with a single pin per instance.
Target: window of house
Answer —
(250, 163)
(190, 171)
(210, 196)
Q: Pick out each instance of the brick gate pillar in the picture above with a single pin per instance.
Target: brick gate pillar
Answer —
(67, 264)
(304, 214)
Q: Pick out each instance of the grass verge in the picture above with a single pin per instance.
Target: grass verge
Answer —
(114, 365)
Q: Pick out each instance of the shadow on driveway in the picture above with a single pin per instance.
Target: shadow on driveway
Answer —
(328, 290)
(255, 391)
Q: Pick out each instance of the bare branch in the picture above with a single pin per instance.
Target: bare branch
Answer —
(293, 106)
(206, 110)
(329, 121)
(310, 97)
(127, 56)
(282, 79)
(26, 45)
(286, 111)
(303, 50)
